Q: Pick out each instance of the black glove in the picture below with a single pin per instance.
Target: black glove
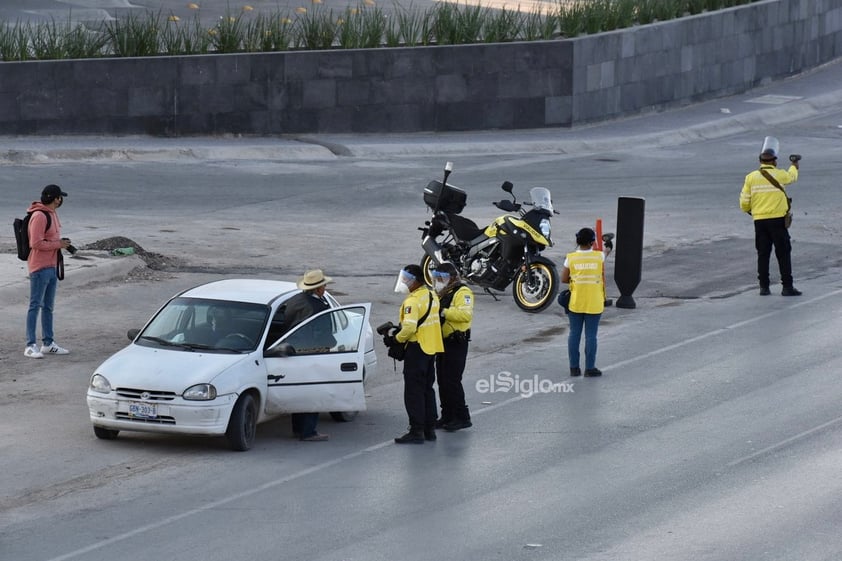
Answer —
(389, 340)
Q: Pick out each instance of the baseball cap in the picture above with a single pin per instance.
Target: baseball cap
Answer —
(52, 192)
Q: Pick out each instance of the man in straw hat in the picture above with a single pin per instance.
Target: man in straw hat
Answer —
(310, 301)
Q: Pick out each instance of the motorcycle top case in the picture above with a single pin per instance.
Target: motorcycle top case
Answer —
(445, 197)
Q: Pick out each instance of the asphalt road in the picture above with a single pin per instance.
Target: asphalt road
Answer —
(714, 434)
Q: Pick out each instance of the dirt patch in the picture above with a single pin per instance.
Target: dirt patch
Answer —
(155, 261)
(157, 265)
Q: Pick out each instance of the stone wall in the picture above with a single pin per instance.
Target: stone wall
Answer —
(449, 88)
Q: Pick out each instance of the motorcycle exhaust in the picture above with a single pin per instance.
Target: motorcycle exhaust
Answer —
(433, 249)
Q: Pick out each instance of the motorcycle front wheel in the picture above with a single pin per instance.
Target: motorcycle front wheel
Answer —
(535, 288)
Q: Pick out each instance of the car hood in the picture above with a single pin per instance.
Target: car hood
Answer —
(149, 368)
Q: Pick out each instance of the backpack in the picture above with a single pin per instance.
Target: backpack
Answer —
(21, 228)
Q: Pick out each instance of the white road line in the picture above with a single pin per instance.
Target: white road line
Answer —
(375, 447)
(784, 442)
(719, 331)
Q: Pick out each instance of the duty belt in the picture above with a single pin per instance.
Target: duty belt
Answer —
(459, 337)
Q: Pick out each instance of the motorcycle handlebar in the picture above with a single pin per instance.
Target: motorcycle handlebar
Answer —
(507, 206)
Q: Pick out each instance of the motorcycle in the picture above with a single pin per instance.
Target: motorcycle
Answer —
(507, 251)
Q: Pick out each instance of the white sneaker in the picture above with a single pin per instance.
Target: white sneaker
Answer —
(32, 351)
(53, 349)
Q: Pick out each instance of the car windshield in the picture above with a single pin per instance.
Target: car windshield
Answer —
(541, 198)
(192, 324)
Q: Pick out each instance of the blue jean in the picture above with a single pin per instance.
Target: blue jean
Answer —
(591, 324)
(304, 424)
(42, 296)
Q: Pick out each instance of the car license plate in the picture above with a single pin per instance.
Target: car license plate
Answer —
(143, 410)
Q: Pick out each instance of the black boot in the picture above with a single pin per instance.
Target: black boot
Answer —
(414, 436)
(430, 434)
(462, 420)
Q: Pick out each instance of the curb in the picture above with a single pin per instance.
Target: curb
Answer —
(85, 268)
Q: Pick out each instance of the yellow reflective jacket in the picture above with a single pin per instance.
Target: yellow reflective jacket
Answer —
(459, 314)
(762, 199)
(587, 286)
(428, 334)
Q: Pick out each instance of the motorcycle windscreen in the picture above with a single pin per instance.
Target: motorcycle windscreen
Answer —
(541, 198)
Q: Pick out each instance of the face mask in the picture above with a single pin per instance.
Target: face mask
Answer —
(440, 286)
(401, 286)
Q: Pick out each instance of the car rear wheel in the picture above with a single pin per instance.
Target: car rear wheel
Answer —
(344, 416)
(242, 426)
(105, 434)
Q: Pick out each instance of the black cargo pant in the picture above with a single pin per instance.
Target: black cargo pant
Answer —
(419, 397)
(450, 365)
(768, 233)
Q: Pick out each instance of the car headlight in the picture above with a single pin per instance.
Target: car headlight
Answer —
(545, 228)
(100, 384)
(200, 392)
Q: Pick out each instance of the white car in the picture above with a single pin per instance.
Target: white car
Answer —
(217, 360)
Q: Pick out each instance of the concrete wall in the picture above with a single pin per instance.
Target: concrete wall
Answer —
(464, 87)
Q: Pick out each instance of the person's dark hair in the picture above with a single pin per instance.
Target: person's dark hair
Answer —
(585, 236)
(415, 271)
(768, 156)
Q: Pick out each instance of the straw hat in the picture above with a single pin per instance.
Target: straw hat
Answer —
(313, 279)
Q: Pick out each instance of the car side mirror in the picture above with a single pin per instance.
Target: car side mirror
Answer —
(132, 334)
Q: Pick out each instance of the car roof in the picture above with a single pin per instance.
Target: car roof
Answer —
(256, 291)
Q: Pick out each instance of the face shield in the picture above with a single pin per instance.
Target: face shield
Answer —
(770, 149)
(440, 280)
(403, 281)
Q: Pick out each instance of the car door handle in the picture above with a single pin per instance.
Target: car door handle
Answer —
(348, 367)
(276, 378)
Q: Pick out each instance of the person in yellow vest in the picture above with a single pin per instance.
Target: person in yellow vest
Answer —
(583, 269)
(456, 301)
(420, 331)
(768, 205)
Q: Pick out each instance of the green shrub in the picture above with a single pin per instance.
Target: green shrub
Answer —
(14, 42)
(135, 35)
(538, 25)
(315, 29)
(501, 26)
(364, 26)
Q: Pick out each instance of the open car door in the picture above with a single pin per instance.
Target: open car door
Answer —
(318, 366)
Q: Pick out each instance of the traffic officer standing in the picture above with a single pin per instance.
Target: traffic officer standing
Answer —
(420, 331)
(583, 269)
(765, 198)
(457, 312)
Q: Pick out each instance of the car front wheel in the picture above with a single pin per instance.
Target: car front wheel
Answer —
(243, 424)
(105, 434)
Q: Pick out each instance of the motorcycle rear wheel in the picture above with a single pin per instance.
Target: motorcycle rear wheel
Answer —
(535, 288)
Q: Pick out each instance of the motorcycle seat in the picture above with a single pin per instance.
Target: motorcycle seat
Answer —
(464, 228)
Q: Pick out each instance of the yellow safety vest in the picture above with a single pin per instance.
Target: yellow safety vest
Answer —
(587, 286)
(428, 334)
(763, 199)
(460, 313)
